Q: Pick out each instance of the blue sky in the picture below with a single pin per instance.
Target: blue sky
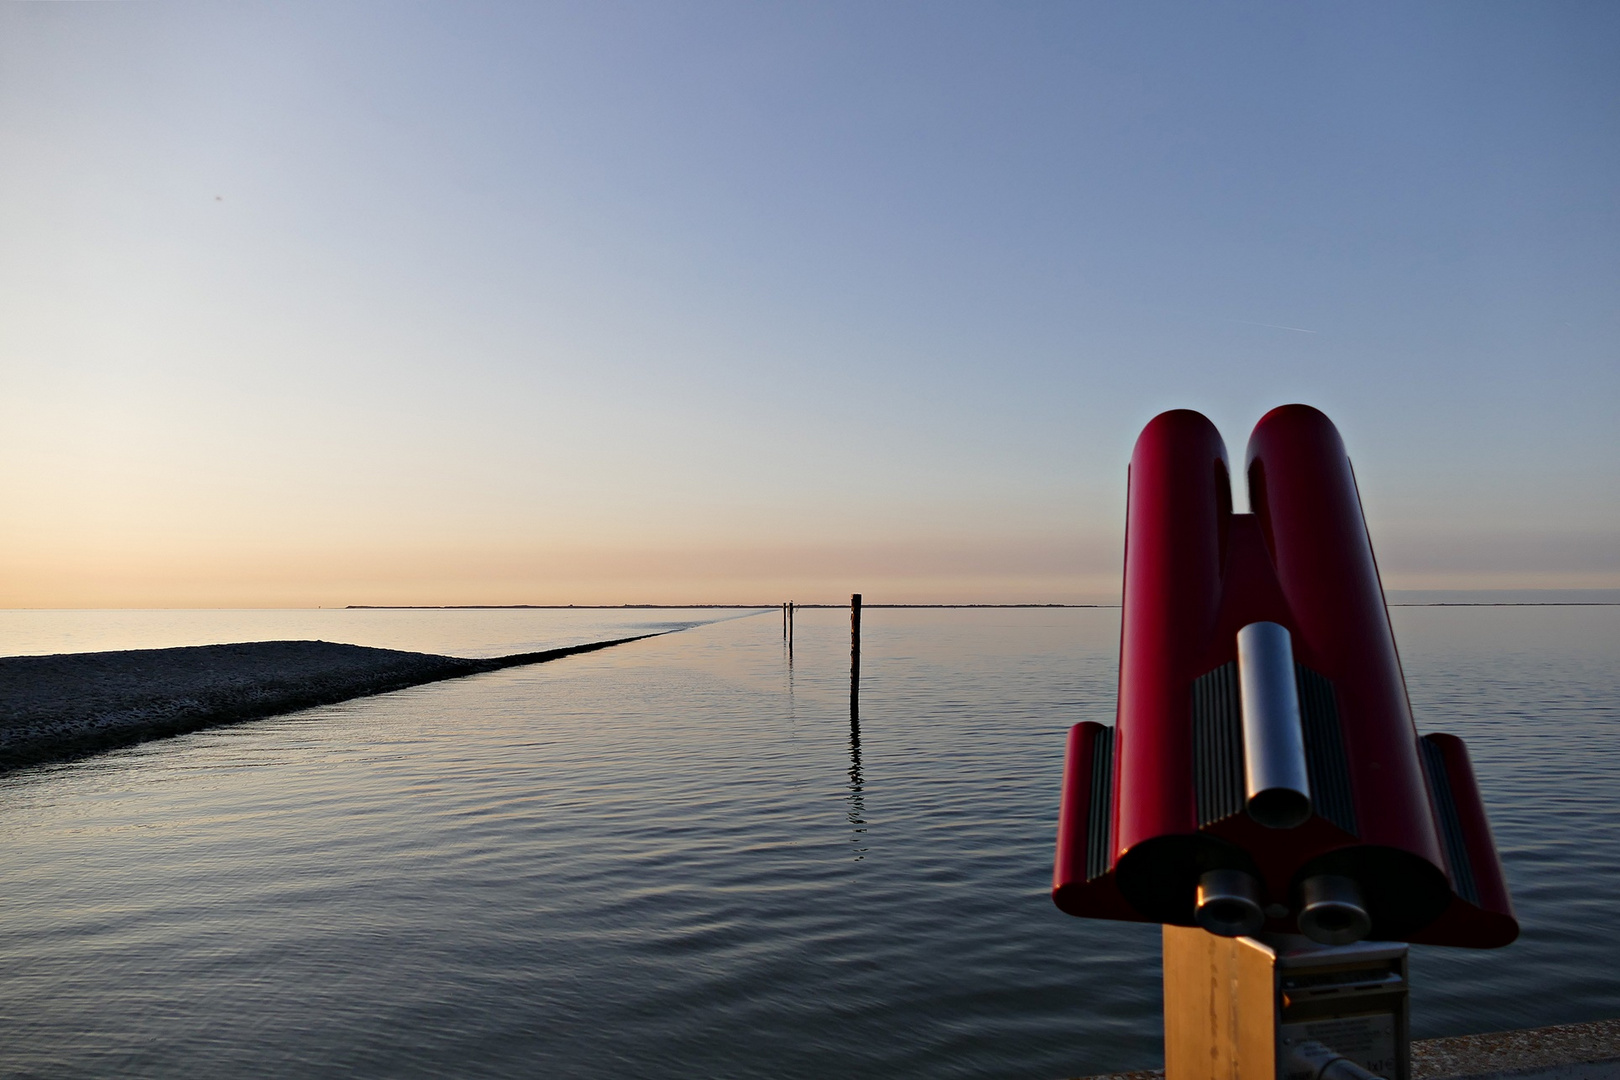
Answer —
(597, 302)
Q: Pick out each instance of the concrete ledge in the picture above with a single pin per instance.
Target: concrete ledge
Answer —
(55, 708)
(1566, 1052)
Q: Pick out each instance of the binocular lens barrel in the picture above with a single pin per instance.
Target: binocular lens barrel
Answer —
(1332, 911)
(1228, 903)
(1278, 787)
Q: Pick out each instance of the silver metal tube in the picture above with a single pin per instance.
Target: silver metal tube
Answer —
(1278, 786)
(1332, 911)
(1228, 903)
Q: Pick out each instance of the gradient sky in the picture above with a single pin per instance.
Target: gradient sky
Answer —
(594, 302)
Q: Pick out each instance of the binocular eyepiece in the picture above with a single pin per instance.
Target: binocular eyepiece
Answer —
(1331, 910)
(1228, 903)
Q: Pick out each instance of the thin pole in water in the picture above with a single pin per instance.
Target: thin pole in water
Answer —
(854, 655)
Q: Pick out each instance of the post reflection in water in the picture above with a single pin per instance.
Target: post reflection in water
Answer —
(857, 782)
(857, 800)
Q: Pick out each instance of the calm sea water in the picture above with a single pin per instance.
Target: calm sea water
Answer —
(677, 858)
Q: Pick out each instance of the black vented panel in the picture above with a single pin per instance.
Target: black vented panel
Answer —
(1325, 760)
(1217, 731)
(1100, 819)
(1434, 764)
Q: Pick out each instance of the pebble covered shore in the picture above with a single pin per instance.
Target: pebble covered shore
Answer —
(1566, 1052)
(54, 708)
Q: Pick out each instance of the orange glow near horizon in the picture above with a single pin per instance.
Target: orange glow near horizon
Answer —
(442, 576)
(180, 577)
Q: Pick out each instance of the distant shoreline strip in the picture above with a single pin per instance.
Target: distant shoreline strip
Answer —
(677, 607)
(865, 606)
(72, 705)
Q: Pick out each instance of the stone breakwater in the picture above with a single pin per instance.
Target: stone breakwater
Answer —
(53, 708)
(1589, 1051)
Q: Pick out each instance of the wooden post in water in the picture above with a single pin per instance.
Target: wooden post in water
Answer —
(854, 654)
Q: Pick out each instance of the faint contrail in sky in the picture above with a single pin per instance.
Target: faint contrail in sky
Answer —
(1274, 326)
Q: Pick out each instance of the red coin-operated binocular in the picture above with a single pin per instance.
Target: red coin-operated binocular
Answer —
(1264, 773)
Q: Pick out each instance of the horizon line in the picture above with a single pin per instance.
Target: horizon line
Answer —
(865, 605)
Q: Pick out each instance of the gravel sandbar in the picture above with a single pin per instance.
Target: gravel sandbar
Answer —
(53, 708)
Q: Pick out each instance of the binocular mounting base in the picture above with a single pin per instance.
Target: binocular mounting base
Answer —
(1282, 1007)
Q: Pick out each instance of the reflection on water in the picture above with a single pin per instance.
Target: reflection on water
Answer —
(638, 862)
(857, 800)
